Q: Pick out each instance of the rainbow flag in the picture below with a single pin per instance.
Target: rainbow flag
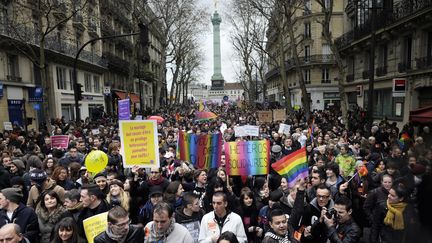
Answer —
(293, 166)
(403, 139)
(247, 157)
(203, 151)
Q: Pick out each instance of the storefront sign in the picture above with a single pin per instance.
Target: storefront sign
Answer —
(399, 87)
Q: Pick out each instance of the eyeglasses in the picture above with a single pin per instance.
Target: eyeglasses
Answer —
(322, 196)
(122, 225)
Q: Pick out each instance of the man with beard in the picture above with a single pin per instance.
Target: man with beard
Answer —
(163, 228)
(119, 228)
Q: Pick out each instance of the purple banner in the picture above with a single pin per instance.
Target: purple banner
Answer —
(124, 109)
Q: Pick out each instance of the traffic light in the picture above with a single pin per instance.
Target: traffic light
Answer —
(78, 91)
(144, 41)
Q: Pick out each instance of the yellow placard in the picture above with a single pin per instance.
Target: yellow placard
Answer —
(139, 143)
(95, 225)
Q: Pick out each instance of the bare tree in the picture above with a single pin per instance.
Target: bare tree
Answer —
(30, 24)
(248, 39)
(181, 22)
(327, 6)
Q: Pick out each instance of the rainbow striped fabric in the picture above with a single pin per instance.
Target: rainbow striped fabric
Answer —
(247, 157)
(293, 166)
(203, 151)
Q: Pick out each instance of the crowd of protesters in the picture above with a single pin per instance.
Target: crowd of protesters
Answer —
(46, 192)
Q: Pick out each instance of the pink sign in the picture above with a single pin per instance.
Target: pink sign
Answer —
(60, 141)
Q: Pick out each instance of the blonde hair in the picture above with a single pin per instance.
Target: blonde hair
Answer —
(123, 197)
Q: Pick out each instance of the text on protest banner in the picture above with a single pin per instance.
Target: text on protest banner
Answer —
(265, 116)
(247, 130)
(284, 129)
(139, 143)
(203, 151)
(95, 225)
(124, 109)
(60, 141)
(247, 157)
(279, 115)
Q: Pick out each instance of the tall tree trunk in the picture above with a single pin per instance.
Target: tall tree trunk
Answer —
(284, 78)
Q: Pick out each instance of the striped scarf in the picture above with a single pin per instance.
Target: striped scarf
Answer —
(272, 235)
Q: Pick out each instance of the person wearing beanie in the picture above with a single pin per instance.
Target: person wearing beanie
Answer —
(12, 210)
(117, 196)
(100, 179)
(40, 184)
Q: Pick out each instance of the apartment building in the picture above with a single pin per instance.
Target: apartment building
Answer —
(316, 60)
(23, 23)
(402, 57)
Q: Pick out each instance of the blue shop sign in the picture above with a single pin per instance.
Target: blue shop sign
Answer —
(1, 90)
(35, 94)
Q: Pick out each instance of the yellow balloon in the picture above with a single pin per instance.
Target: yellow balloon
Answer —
(96, 161)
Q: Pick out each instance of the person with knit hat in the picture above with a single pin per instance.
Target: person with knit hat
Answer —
(117, 196)
(40, 184)
(101, 180)
(12, 210)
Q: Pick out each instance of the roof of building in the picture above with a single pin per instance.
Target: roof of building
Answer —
(231, 86)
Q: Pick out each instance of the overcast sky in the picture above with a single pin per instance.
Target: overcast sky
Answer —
(228, 59)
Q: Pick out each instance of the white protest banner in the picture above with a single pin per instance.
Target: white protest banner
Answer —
(7, 125)
(223, 127)
(284, 128)
(95, 131)
(251, 130)
(239, 131)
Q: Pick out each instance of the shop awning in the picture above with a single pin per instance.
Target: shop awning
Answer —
(422, 115)
(133, 97)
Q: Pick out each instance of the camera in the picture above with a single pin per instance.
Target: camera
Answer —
(331, 213)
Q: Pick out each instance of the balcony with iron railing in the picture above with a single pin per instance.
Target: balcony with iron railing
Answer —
(405, 66)
(304, 61)
(116, 63)
(384, 18)
(381, 71)
(14, 78)
(424, 62)
(106, 29)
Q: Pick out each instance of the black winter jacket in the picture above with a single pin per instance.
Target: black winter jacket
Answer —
(26, 218)
(135, 234)
(348, 232)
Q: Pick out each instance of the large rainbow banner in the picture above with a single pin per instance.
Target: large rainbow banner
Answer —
(203, 151)
(247, 157)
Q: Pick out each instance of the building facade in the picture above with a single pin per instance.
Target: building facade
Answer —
(401, 47)
(22, 27)
(316, 60)
(234, 92)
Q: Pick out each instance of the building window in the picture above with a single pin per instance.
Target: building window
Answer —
(71, 78)
(407, 52)
(383, 103)
(13, 66)
(326, 52)
(325, 76)
(61, 78)
(307, 74)
(307, 30)
(97, 87)
(87, 82)
(307, 52)
(307, 7)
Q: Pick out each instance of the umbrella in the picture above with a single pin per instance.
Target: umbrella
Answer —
(204, 115)
(158, 119)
